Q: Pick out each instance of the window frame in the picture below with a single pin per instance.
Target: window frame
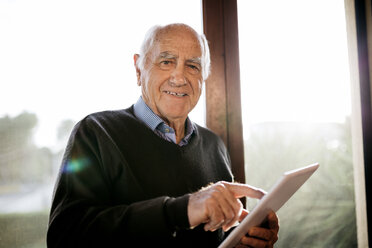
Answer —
(223, 98)
(358, 20)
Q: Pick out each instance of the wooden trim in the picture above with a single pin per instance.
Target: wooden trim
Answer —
(361, 113)
(363, 31)
(223, 97)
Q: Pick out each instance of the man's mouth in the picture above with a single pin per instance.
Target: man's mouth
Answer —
(175, 93)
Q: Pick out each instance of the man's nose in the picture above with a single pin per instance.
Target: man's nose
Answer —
(177, 77)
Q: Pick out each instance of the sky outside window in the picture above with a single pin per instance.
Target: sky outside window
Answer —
(66, 59)
(294, 62)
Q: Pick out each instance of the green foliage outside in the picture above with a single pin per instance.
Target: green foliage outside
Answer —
(23, 168)
(21, 160)
(23, 230)
(322, 212)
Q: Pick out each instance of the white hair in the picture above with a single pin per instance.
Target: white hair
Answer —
(150, 39)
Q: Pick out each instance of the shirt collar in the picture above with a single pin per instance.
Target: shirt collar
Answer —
(144, 113)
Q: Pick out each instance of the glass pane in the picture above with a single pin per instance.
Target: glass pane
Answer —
(59, 61)
(296, 111)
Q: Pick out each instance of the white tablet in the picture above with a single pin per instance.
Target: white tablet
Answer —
(286, 186)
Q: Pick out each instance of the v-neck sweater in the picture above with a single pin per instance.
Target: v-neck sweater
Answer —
(121, 184)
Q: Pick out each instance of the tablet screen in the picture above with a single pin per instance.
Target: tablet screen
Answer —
(285, 187)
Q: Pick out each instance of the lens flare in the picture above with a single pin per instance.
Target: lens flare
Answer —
(75, 165)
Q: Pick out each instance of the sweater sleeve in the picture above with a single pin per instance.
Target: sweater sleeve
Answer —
(84, 213)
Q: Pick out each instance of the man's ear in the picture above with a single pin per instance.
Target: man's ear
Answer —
(138, 71)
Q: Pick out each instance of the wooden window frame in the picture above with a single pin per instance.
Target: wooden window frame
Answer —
(359, 24)
(222, 88)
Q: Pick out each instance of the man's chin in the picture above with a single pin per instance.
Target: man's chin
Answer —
(175, 115)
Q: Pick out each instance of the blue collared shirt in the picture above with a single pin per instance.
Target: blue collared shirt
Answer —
(156, 124)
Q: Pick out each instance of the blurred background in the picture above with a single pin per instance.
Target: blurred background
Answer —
(62, 60)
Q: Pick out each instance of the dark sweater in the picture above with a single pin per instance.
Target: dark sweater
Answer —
(120, 185)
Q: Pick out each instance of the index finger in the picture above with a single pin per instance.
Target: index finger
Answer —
(239, 190)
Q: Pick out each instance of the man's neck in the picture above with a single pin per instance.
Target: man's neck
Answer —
(179, 127)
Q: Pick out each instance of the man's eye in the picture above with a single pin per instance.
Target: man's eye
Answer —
(165, 62)
(194, 68)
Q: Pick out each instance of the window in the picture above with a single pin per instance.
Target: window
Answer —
(296, 110)
(59, 61)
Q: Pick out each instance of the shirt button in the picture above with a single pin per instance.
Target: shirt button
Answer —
(167, 130)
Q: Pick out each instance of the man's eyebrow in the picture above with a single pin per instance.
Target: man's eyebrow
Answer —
(167, 55)
(195, 60)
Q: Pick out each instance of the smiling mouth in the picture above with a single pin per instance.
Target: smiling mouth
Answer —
(175, 94)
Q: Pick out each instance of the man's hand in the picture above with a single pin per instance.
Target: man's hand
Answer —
(264, 236)
(218, 205)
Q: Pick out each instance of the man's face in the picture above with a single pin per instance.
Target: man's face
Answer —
(172, 79)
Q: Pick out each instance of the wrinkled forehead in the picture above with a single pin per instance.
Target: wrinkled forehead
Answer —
(177, 40)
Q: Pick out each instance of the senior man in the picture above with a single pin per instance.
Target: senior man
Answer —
(147, 175)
